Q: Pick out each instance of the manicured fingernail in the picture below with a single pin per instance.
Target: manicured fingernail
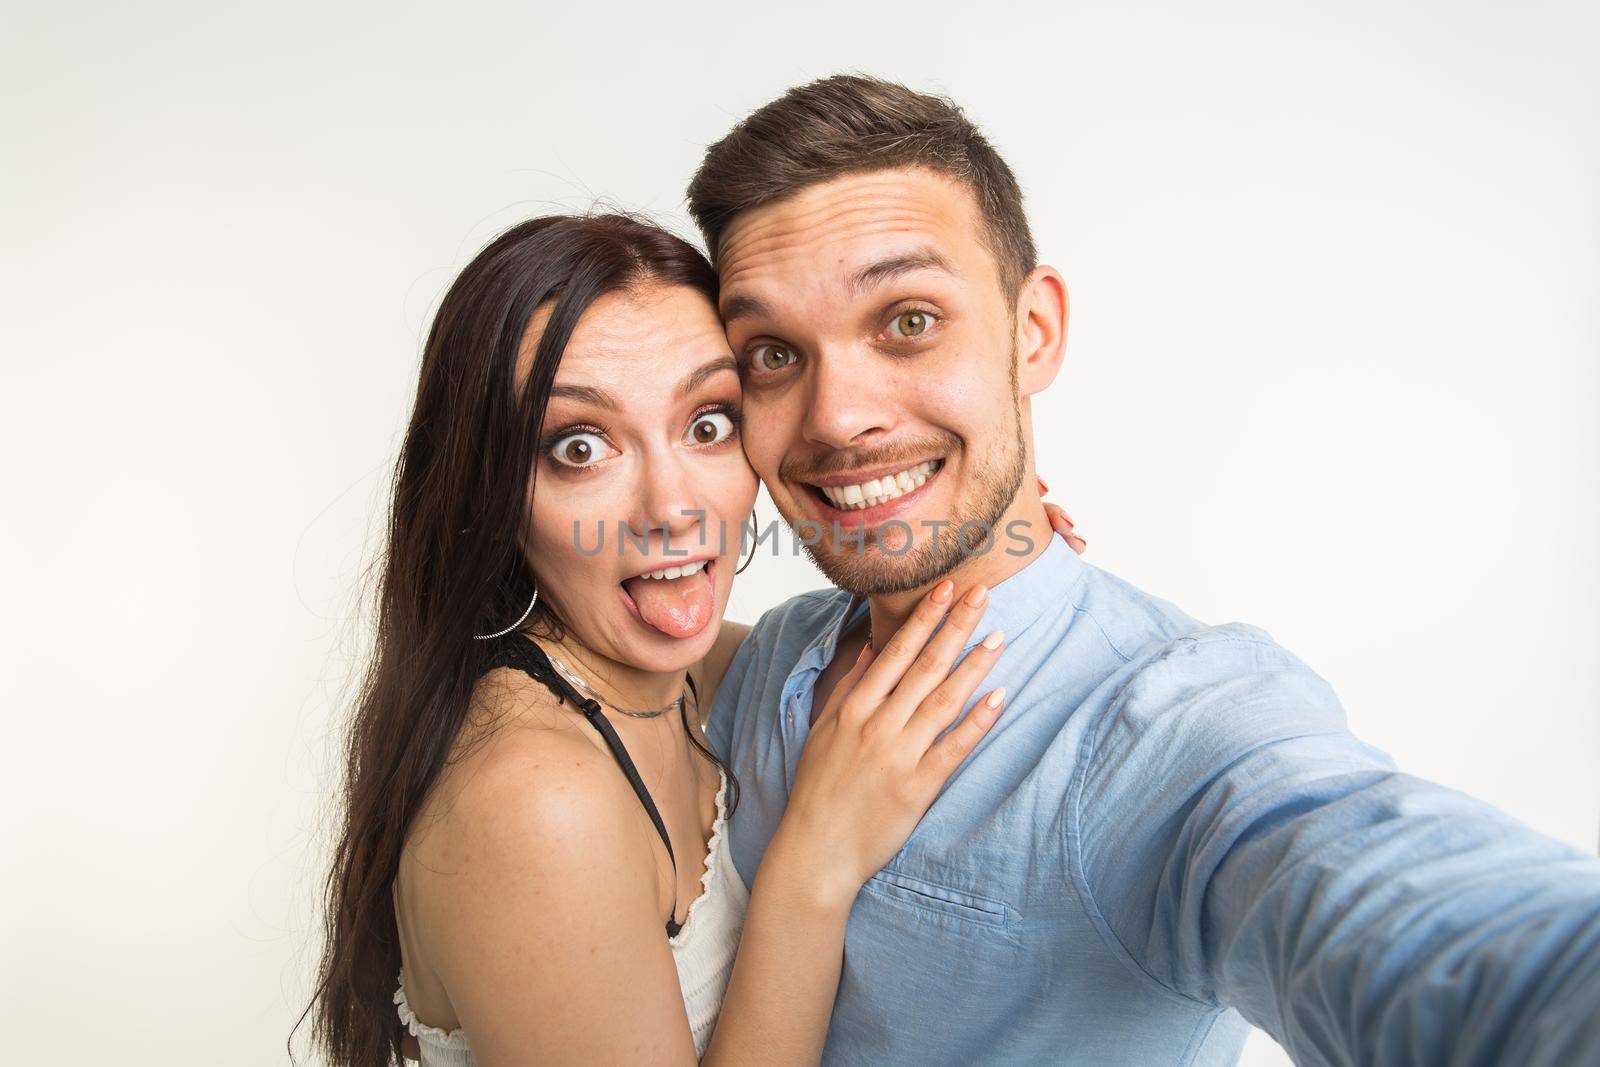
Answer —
(942, 591)
(1043, 488)
(995, 698)
(993, 641)
(977, 596)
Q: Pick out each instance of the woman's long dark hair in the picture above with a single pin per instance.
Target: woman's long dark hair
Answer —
(453, 567)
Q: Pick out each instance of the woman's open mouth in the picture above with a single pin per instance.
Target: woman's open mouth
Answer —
(676, 600)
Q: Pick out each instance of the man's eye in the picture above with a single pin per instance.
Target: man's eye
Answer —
(579, 449)
(910, 323)
(772, 357)
(710, 428)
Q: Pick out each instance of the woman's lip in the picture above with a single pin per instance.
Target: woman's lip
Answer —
(684, 562)
(876, 515)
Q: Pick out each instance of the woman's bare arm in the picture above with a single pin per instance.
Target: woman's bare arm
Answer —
(542, 913)
(541, 906)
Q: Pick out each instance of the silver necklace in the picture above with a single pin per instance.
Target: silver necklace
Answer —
(567, 673)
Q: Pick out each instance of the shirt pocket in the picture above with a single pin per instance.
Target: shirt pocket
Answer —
(944, 905)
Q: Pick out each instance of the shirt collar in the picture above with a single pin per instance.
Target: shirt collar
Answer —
(1013, 605)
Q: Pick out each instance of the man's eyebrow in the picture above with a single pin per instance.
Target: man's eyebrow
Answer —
(701, 375)
(741, 306)
(894, 266)
(588, 394)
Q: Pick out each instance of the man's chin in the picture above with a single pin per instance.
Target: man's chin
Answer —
(874, 572)
(897, 556)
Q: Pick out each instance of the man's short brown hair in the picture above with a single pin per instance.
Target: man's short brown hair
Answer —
(847, 124)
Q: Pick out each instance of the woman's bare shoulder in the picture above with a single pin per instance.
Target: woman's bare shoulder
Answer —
(524, 780)
(541, 882)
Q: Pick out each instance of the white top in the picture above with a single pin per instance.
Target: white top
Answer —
(703, 951)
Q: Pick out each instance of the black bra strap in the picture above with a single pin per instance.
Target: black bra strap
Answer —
(524, 655)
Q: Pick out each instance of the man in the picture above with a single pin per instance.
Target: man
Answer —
(1170, 831)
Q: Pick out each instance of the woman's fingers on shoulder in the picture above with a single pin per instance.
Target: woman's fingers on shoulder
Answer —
(1062, 524)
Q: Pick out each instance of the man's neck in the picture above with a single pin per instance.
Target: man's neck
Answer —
(1024, 527)
(888, 612)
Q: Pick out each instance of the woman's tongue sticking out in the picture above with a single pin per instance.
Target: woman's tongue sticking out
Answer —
(678, 607)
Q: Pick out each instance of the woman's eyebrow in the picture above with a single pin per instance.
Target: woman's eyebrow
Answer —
(588, 394)
(591, 394)
(701, 375)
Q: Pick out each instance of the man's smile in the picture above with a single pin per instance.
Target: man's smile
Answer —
(871, 496)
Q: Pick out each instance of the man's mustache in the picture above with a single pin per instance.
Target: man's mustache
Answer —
(837, 462)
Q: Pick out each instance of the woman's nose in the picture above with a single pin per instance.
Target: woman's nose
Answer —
(670, 504)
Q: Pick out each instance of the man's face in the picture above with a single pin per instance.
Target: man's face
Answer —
(878, 355)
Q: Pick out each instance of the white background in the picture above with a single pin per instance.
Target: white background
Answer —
(1332, 370)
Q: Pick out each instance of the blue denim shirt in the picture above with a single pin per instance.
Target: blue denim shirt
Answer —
(1171, 831)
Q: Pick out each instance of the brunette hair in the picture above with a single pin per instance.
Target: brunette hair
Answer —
(847, 124)
(453, 567)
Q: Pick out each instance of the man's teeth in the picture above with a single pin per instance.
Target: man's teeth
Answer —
(878, 490)
(677, 572)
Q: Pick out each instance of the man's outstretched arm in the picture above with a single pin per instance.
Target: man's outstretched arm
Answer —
(1246, 850)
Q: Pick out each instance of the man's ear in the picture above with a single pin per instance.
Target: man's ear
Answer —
(1042, 311)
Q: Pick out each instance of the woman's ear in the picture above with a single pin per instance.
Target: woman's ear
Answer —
(1042, 310)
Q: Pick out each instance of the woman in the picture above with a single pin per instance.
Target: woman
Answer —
(528, 802)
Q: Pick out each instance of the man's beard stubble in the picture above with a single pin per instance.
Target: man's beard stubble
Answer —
(867, 570)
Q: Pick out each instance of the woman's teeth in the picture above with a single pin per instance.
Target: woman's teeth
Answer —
(877, 491)
(677, 572)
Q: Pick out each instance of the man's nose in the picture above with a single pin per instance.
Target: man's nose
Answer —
(851, 398)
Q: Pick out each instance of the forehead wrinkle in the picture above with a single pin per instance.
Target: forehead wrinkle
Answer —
(777, 252)
(625, 341)
(831, 225)
(785, 243)
(910, 195)
(832, 217)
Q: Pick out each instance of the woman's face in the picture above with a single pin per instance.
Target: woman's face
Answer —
(640, 469)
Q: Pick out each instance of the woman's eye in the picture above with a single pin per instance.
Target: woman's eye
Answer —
(711, 427)
(772, 357)
(579, 449)
(910, 323)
